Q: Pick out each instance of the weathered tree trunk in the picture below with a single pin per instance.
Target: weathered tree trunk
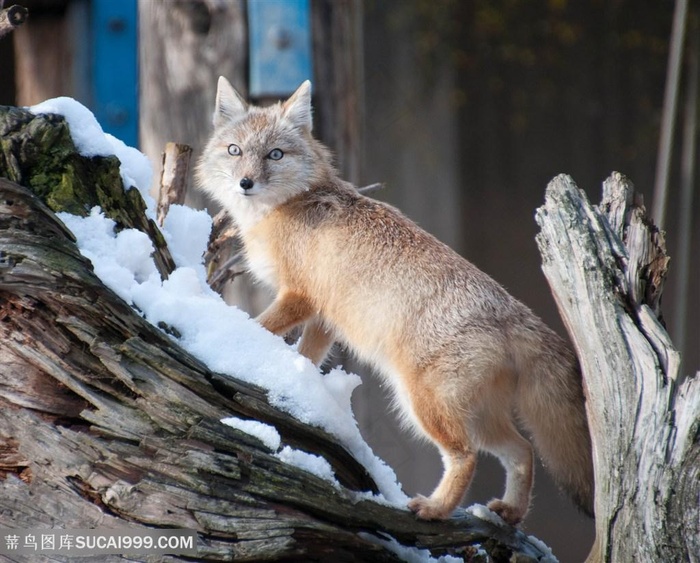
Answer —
(106, 422)
(606, 267)
(38, 153)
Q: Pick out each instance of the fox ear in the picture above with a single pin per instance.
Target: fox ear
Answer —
(298, 107)
(229, 103)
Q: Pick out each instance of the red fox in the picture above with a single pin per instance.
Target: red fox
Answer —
(464, 359)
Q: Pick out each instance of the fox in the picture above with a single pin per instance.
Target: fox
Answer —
(468, 365)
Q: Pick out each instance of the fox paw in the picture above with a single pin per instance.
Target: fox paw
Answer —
(427, 508)
(510, 514)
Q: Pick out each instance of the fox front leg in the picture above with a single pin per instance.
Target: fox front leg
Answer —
(287, 311)
(316, 340)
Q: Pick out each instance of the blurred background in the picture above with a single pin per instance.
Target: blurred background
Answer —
(464, 109)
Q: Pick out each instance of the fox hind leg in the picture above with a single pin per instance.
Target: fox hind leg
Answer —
(502, 439)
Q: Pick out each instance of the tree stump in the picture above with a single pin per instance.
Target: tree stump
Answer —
(606, 268)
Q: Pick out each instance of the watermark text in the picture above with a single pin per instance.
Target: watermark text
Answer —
(99, 541)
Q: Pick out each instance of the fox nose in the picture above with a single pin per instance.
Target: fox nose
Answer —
(247, 183)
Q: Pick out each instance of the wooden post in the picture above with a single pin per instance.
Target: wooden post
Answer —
(43, 69)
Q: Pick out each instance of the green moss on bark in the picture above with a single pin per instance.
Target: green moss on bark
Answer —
(38, 152)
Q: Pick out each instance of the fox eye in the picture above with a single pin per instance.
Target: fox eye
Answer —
(234, 150)
(275, 154)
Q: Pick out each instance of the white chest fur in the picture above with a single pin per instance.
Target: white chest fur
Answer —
(260, 262)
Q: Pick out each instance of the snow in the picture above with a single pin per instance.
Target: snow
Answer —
(409, 554)
(312, 463)
(222, 336)
(484, 513)
(187, 234)
(548, 555)
(122, 261)
(266, 433)
(269, 436)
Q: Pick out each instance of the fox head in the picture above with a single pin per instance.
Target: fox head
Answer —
(259, 157)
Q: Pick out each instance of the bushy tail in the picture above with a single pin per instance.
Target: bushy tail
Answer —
(551, 405)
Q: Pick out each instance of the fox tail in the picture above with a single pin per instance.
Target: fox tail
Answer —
(551, 405)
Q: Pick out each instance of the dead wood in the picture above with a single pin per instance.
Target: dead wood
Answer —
(606, 268)
(173, 178)
(38, 152)
(11, 18)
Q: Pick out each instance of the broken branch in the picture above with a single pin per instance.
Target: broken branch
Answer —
(12, 17)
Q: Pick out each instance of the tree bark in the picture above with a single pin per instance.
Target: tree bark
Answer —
(606, 268)
(39, 153)
(106, 422)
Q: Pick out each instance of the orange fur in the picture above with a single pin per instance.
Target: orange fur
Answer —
(465, 360)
